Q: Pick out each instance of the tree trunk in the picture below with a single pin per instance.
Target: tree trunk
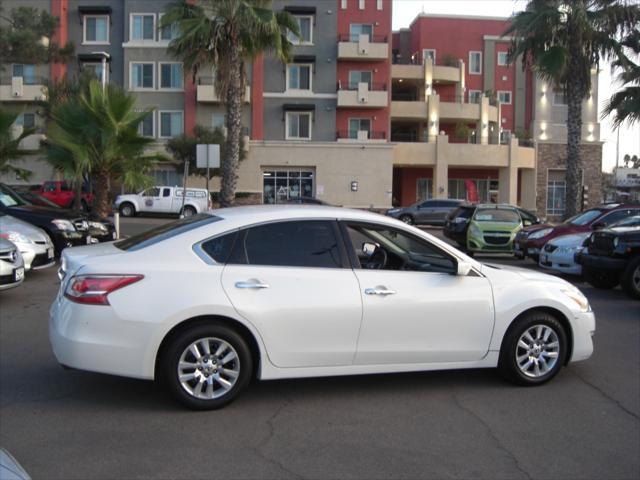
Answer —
(101, 203)
(235, 97)
(77, 195)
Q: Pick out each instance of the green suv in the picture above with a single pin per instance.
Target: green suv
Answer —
(493, 228)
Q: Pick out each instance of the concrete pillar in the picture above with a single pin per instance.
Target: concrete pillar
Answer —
(483, 125)
(528, 189)
(508, 177)
(460, 85)
(433, 116)
(441, 169)
(428, 76)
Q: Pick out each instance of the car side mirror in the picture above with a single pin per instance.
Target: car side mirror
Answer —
(598, 225)
(369, 248)
(527, 223)
(463, 268)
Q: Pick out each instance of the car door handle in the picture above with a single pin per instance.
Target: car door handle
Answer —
(256, 285)
(379, 291)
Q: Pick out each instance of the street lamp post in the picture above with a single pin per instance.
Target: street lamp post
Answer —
(104, 58)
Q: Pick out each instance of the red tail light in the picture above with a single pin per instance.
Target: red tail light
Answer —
(94, 289)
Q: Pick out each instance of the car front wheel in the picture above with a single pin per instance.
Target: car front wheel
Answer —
(631, 278)
(533, 350)
(599, 279)
(206, 367)
(408, 219)
(127, 210)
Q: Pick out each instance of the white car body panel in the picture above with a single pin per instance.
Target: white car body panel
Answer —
(172, 203)
(38, 242)
(124, 338)
(561, 259)
(11, 265)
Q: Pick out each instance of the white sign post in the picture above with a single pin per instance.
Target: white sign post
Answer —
(208, 156)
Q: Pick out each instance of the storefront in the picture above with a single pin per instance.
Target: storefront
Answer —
(280, 185)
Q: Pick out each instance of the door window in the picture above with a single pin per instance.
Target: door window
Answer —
(166, 192)
(290, 244)
(616, 216)
(357, 29)
(282, 185)
(151, 192)
(359, 76)
(359, 125)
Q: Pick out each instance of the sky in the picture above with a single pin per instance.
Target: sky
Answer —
(404, 11)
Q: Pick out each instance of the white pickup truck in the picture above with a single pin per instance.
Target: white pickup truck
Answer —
(164, 200)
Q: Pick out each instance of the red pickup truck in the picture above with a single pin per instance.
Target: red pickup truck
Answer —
(61, 193)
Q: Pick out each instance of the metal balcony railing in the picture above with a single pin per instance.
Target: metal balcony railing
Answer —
(353, 134)
(356, 37)
(373, 87)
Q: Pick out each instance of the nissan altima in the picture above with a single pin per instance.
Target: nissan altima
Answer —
(206, 303)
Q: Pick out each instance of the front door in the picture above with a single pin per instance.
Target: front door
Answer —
(415, 308)
(149, 199)
(290, 280)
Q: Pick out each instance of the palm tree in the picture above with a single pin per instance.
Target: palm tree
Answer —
(562, 40)
(98, 131)
(226, 34)
(626, 102)
(10, 146)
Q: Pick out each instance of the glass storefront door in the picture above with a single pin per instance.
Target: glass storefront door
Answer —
(278, 186)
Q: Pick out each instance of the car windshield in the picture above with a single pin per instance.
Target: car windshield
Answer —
(462, 212)
(628, 222)
(39, 200)
(166, 231)
(9, 198)
(584, 218)
(497, 215)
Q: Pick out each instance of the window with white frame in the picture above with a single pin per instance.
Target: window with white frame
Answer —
(27, 120)
(504, 96)
(298, 76)
(429, 53)
(503, 59)
(142, 76)
(361, 4)
(556, 192)
(475, 96)
(95, 29)
(171, 123)
(359, 76)
(424, 189)
(147, 126)
(96, 70)
(219, 120)
(379, 4)
(298, 125)
(475, 63)
(142, 27)
(343, 4)
(505, 136)
(305, 25)
(170, 32)
(559, 97)
(357, 29)
(359, 125)
(171, 75)
(27, 72)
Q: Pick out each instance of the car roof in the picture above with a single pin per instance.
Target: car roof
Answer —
(258, 213)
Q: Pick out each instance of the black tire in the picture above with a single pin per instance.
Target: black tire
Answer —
(631, 279)
(508, 363)
(535, 257)
(600, 279)
(85, 206)
(127, 209)
(188, 211)
(168, 365)
(408, 219)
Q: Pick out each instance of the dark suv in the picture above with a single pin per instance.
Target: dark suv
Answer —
(612, 256)
(433, 211)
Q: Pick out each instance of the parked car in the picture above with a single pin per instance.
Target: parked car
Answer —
(305, 201)
(11, 265)
(164, 200)
(63, 194)
(530, 241)
(558, 254)
(301, 291)
(492, 229)
(612, 257)
(34, 244)
(64, 227)
(457, 222)
(431, 212)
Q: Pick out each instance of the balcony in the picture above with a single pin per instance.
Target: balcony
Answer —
(31, 142)
(448, 109)
(363, 95)
(440, 74)
(22, 89)
(408, 110)
(206, 91)
(360, 136)
(364, 48)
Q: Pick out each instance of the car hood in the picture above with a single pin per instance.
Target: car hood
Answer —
(9, 223)
(47, 212)
(494, 271)
(572, 240)
(497, 226)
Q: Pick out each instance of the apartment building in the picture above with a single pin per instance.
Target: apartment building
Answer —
(361, 116)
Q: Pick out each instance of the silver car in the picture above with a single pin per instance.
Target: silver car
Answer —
(11, 265)
(34, 244)
(433, 211)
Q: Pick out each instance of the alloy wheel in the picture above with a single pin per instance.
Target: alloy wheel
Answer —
(537, 351)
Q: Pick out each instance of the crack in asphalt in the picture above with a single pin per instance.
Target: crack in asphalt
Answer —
(605, 395)
(271, 430)
(492, 434)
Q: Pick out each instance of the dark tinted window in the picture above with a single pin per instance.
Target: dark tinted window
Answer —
(290, 244)
(462, 212)
(219, 248)
(528, 216)
(428, 204)
(65, 187)
(618, 215)
(166, 192)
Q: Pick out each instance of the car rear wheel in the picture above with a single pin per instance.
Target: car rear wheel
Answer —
(206, 367)
(188, 211)
(127, 210)
(533, 350)
(599, 279)
(631, 278)
(408, 219)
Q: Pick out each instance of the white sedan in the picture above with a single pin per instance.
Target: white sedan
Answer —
(208, 302)
(558, 253)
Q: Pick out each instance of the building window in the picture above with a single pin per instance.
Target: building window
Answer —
(475, 63)
(171, 124)
(556, 192)
(298, 77)
(357, 29)
(96, 70)
(359, 125)
(343, 4)
(143, 27)
(170, 32)
(142, 76)
(504, 96)
(361, 4)
(505, 136)
(305, 25)
(486, 189)
(219, 121)
(429, 53)
(146, 127)
(424, 189)
(503, 59)
(95, 29)
(356, 77)
(559, 97)
(171, 76)
(278, 186)
(475, 96)
(27, 120)
(27, 72)
(298, 126)
(379, 4)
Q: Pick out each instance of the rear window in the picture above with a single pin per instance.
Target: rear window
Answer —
(166, 231)
(584, 218)
(497, 215)
(462, 212)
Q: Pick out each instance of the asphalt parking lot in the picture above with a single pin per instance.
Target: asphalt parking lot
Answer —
(463, 424)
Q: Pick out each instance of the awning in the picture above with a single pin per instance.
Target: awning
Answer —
(304, 59)
(298, 107)
(300, 10)
(92, 57)
(94, 9)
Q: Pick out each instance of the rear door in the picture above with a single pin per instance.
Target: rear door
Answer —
(424, 211)
(162, 204)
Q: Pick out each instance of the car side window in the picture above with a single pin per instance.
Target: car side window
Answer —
(220, 248)
(616, 216)
(427, 204)
(396, 250)
(49, 187)
(151, 192)
(166, 192)
(65, 187)
(307, 243)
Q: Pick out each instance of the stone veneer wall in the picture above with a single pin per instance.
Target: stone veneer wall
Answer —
(553, 156)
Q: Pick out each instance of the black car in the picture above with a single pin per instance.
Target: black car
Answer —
(65, 228)
(100, 229)
(612, 256)
(457, 222)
